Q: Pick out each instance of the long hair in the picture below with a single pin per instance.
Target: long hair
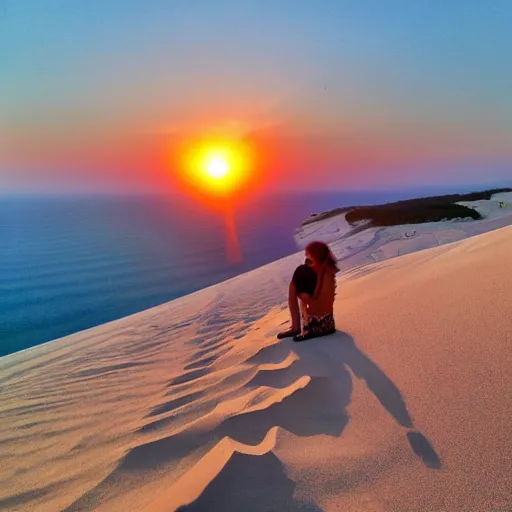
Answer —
(322, 253)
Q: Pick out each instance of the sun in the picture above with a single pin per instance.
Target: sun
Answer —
(217, 167)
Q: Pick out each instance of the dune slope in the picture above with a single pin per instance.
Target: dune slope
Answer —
(195, 406)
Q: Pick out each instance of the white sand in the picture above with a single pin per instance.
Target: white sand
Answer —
(194, 405)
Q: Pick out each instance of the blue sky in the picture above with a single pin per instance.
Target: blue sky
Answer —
(365, 93)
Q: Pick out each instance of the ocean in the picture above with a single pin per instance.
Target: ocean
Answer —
(73, 262)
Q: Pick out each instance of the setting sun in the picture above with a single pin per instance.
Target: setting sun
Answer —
(217, 167)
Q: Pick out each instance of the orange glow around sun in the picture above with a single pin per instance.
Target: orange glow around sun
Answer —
(215, 168)
(219, 173)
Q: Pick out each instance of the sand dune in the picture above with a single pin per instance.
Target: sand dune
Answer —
(196, 406)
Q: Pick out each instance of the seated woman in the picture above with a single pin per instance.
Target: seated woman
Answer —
(317, 309)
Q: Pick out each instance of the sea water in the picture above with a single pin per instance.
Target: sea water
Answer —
(73, 262)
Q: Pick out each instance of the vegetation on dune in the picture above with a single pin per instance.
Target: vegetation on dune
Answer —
(412, 211)
(392, 214)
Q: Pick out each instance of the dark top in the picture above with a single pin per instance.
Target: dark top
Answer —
(304, 279)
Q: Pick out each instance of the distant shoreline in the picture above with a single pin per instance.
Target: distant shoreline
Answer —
(409, 211)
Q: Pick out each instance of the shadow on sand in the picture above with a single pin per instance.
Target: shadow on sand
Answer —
(319, 408)
(265, 487)
(344, 347)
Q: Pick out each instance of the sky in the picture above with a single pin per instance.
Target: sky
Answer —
(102, 96)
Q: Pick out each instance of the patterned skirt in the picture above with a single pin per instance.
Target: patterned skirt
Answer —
(318, 326)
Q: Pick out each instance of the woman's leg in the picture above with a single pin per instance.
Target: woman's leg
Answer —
(304, 313)
(293, 306)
